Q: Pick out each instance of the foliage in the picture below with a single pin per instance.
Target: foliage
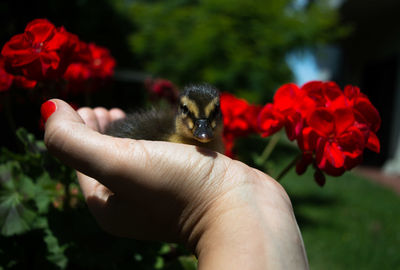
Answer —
(350, 215)
(41, 206)
(236, 45)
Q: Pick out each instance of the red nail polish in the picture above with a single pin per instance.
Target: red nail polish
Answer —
(47, 109)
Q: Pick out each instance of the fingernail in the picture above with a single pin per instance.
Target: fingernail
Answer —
(47, 109)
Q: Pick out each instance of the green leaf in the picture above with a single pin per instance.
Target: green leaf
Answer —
(45, 192)
(56, 252)
(6, 173)
(15, 218)
(17, 188)
(165, 248)
(25, 187)
(159, 264)
(28, 140)
(188, 262)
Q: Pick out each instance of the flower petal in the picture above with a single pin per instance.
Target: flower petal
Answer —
(344, 118)
(40, 30)
(352, 142)
(314, 91)
(286, 97)
(293, 125)
(18, 51)
(269, 120)
(308, 139)
(21, 81)
(49, 60)
(331, 91)
(322, 121)
(303, 163)
(373, 143)
(319, 177)
(334, 154)
(369, 112)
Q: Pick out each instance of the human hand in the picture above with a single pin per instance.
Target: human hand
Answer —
(231, 215)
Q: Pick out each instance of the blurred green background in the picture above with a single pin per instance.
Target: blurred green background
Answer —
(246, 47)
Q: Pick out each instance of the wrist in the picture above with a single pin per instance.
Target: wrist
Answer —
(250, 227)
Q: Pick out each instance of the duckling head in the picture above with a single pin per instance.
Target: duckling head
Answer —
(199, 115)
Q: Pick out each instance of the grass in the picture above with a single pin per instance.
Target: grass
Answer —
(350, 223)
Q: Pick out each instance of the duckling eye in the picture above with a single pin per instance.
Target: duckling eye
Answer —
(184, 109)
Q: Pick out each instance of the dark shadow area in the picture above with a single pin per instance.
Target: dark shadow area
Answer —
(370, 59)
(311, 200)
(379, 83)
(206, 152)
(27, 257)
(91, 248)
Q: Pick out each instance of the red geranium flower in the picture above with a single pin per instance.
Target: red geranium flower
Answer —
(239, 116)
(290, 107)
(102, 63)
(22, 82)
(240, 119)
(332, 127)
(42, 51)
(7, 79)
(92, 61)
(161, 88)
(77, 72)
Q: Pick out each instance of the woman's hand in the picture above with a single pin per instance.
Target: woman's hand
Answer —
(231, 215)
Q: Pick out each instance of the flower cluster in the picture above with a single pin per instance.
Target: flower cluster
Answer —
(45, 52)
(332, 127)
(240, 119)
(7, 79)
(162, 88)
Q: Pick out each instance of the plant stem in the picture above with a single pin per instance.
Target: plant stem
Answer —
(287, 168)
(269, 148)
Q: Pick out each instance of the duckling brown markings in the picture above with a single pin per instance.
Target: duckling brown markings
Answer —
(191, 105)
(200, 104)
(201, 96)
(210, 109)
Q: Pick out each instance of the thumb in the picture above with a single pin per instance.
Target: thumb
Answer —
(68, 138)
(77, 145)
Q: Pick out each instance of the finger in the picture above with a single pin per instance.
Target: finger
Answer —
(92, 188)
(89, 117)
(103, 117)
(116, 114)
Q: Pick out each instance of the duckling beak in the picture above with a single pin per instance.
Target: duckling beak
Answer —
(203, 131)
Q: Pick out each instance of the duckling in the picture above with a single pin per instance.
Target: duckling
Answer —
(196, 121)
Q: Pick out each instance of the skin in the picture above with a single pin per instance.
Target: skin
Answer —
(230, 215)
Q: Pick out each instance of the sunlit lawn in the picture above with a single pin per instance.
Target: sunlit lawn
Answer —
(350, 223)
